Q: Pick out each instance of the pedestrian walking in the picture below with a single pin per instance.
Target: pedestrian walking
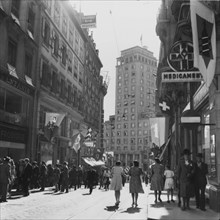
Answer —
(185, 175)
(49, 177)
(35, 176)
(116, 182)
(135, 184)
(27, 173)
(91, 179)
(73, 177)
(169, 183)
(13, 176)
(56, 177)
(43, 175)
(106, 175)
(65, 178)
(200, 181)
(5, 178)
(157, 180)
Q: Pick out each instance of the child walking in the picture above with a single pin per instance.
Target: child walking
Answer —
(169, 183)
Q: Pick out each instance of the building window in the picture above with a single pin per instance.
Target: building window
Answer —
(118, 141)
(140, 140)
(63, 54)
(125, 141)
(70, 60)
(139, 132)
(132, 109)
(46, 33)
(31, 20)
(118, 133)
(63, 89)
(28, 64)
(118, 126)
(132, 140)
(118, 148)
(55, 44)
(15, 7)
(71, 38)
(132, 133)
(12, 52)
(132, 117)
(133, 125)
(125, 148)
(57, 13)
(54, 82)
(45, 74)
(125, 133)
(125, 125)
(64, 25)
(75, 67)
(139, 124)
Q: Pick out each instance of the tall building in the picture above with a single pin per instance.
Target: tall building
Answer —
(48, 64)
(19, 34)
(135, 103)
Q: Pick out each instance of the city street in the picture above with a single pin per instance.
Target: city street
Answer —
(100, 205)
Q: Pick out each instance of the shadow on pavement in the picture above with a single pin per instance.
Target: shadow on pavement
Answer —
(132, 210)
(111, 208)
(86, 194)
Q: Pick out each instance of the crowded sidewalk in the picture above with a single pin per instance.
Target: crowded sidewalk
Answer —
(171, 211)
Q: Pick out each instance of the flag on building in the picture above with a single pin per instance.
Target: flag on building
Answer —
(159, 130)
(76, 142)
(54, 119)
(204, 39)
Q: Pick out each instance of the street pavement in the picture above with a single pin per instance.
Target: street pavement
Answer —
(99, 205)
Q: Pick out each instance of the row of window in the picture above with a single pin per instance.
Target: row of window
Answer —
(65, 26)
(125, 133)
(135, 58)
(126, 74)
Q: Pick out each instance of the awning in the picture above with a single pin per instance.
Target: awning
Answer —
(165, 147)
(92, 162)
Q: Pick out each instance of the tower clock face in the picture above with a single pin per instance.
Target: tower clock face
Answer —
(180, 57)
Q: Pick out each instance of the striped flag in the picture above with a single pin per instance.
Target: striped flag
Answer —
(204, 39)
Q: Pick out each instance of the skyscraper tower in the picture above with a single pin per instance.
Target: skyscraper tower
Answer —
(135, 104)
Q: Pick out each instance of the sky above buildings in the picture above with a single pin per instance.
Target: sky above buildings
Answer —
(120, 25)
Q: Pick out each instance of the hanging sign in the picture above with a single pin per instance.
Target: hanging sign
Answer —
(185, 76)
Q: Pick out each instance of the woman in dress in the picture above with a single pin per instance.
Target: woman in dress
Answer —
(135, 185)
(116, 183)
(169, 183)
(157, 182)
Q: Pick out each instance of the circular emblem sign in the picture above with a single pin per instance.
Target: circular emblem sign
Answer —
(180, 57)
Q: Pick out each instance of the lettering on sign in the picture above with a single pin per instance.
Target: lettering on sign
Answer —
(191, 76)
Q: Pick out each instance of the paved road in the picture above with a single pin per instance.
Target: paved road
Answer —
(100, 205)
(74, 205)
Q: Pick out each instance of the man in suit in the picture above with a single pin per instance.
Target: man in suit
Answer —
(27, 173)
(200, 181)
(5, 178)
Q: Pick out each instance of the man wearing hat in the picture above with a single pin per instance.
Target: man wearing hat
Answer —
(5, 178)
(201, 170)
(185, 176)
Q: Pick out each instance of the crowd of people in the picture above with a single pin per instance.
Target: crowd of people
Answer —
(24, 176)
(189, 179)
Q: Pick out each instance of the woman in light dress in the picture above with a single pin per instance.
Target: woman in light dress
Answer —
(169, 183)
(116, 182)
(135, 185)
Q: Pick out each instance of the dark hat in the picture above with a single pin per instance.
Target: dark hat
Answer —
(199, 155)
(186, 152)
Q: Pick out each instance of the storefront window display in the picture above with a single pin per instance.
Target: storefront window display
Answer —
(209, 148)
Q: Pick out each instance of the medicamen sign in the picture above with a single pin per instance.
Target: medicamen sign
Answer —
(186, 76)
